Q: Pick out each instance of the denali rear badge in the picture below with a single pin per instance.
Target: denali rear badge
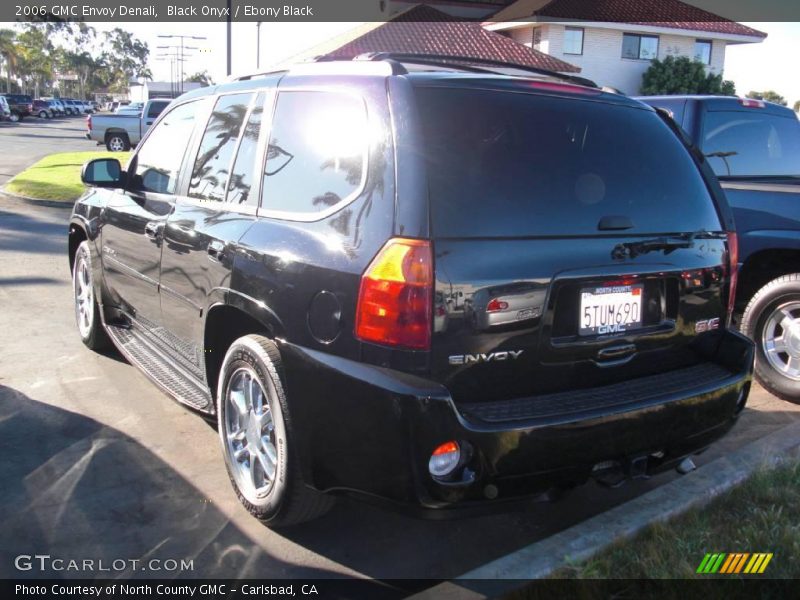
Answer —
(706, 325)
(465, 359)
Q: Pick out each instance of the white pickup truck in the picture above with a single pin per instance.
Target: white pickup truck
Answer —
(121, 132)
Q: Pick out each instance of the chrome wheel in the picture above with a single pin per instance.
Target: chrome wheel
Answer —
(116, 144)
(781, 340)
(249, 434)
(84, 297)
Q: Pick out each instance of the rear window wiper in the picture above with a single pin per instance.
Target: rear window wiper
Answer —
(666, 243)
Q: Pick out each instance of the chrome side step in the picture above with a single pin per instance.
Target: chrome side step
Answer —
(163, 370)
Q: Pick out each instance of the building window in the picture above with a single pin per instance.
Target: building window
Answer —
(537, 39)
(642, 47)
(702, 51)
(573, 40)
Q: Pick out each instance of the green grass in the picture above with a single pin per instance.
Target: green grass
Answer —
(58, 176)
(761, 515)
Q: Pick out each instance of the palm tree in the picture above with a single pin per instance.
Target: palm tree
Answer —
(10, 53)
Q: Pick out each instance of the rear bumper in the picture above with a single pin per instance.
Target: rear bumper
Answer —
(369, 430)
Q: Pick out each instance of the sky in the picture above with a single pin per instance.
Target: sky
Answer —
(771, 64)
(751, 66)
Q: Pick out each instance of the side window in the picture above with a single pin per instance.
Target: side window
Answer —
(751, 143)
(159, 158)
(156, 108)
(213, 162)
(241, 179)
(317, 151)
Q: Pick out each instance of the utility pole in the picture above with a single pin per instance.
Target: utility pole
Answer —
(230, 12)
(182, 56)
(258, 44)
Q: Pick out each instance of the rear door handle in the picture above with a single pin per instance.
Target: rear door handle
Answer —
(153, 230)
(215, 250)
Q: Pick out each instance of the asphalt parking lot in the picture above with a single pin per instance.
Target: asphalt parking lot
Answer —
(33, 138)
(97, 463)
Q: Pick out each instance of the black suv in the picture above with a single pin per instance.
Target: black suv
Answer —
(419, 282)
(21, 106)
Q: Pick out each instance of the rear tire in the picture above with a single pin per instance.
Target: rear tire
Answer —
(257, 438)
(772, 321)
(118, 142)
(87, 310)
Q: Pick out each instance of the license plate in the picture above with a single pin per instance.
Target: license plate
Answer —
(613, 309)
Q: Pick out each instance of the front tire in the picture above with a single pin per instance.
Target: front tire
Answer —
(256, 434)
(15, 117)
(772, 321)
(87, 310)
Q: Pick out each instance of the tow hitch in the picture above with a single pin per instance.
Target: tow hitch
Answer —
(613, 473)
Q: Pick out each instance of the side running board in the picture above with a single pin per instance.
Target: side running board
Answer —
(165, 372)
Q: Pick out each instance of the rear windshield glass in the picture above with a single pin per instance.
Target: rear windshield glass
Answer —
(504, 164)
(752, 143)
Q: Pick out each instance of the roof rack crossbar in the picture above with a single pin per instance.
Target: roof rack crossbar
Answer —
(450, 61)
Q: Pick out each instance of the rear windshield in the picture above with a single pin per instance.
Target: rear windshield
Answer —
(504, 164)
(752, 143)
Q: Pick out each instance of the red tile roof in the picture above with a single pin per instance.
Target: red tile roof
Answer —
(661, 13)
(425, 30)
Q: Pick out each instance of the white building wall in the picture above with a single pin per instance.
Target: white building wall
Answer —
(602, 59)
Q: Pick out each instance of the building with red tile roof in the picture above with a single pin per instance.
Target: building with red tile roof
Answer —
(614, 41)
(423, 29)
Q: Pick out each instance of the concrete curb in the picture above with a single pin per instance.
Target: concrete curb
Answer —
(586, 539)
(36, 201)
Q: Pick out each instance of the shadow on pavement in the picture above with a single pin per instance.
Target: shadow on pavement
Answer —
(25, 233)
(73, 488)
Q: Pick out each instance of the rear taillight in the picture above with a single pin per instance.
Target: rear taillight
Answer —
(495, 304)
(567, 88)
(733, 272)
(395, 301)
(750, 103)
(89, 122)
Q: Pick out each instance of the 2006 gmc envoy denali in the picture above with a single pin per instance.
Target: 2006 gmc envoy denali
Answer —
(419, 281)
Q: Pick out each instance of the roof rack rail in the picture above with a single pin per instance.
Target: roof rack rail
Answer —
(248, 76)
(468, 63)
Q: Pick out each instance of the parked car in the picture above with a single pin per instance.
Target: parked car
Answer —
(120, 132)
(59, 110)
(273, 251)
(20, 105)
(75, 107)
(43, 109)
(5, 111)
(754, 149)
(130, 108)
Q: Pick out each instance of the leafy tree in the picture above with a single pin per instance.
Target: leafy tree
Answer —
(201, 77)
(9, 53)
(125, 58)
(682, 75)
(769, 96)
(35, 64)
